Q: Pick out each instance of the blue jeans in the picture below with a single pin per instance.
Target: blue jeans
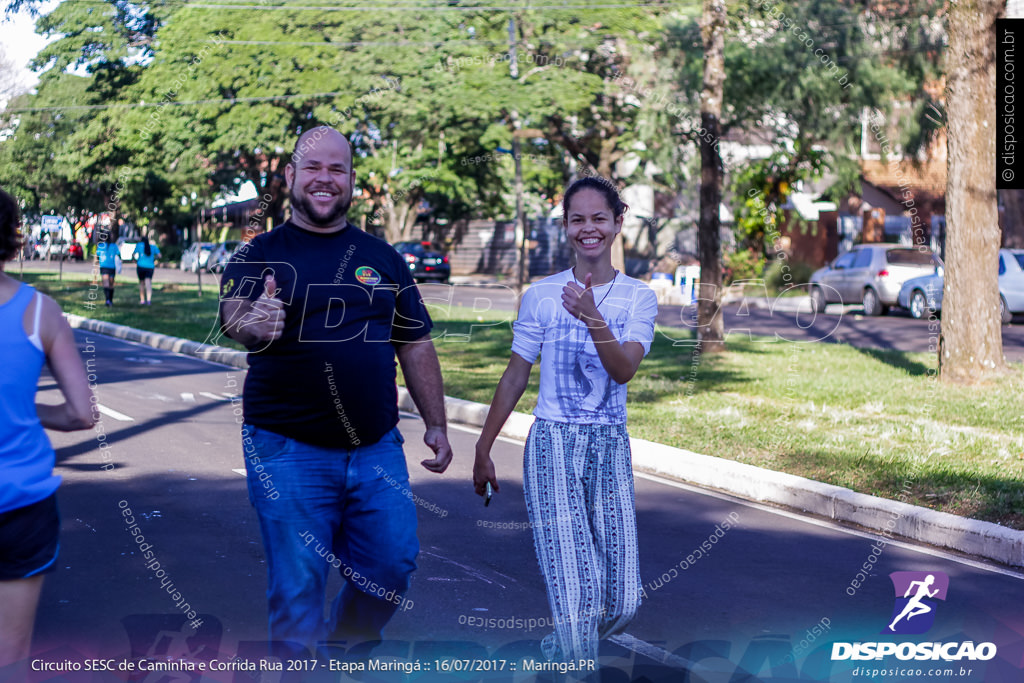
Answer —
(323, 508)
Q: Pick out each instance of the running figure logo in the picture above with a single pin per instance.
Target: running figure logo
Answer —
(916, 592)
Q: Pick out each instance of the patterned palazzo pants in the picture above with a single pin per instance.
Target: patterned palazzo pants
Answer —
(578, 481)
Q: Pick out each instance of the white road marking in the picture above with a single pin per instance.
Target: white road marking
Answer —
(473, 430)
(110, 412)
(925, 550)
(136, 359)
(188, 396)
(473, 572)
(215, 397)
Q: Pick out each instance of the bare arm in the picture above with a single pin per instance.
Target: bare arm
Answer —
(620, 361)
(507, 394)
(66, 365)
(422, 373)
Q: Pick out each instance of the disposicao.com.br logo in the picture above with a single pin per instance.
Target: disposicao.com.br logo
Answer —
(914, 611)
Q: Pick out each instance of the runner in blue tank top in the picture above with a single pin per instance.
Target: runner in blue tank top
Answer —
(107, 255)
(32, 330)
(145, 255)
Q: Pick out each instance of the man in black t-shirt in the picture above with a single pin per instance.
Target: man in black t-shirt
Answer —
(324, 309)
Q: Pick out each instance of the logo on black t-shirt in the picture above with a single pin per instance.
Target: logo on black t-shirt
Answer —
(367, 275)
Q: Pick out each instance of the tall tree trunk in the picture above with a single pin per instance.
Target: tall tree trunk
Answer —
(971, 342)
(267, 217)
(709, 315)
(393, 224)
(1013, 218)
(409, 219)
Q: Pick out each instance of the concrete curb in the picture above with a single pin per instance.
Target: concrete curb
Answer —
(888, 517)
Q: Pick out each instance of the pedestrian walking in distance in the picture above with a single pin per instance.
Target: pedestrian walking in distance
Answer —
(107, 257)
(145, 256)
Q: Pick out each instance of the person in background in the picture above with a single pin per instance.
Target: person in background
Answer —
(32, 330)
(145, 256)
(591, 326)
(107, 256)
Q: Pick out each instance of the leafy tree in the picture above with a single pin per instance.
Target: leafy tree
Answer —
(64, 154)
(34, 164)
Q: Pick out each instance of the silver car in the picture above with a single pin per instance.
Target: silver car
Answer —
(870, 274)
(194, 258)
(921, 295)
(221, 254)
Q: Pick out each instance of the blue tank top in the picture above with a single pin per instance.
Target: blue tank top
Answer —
(26, 456)
(143, 261)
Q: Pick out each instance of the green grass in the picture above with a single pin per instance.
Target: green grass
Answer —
(877, 422)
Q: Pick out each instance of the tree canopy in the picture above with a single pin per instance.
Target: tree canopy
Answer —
(155, 109)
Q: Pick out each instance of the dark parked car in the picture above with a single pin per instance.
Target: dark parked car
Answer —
(424, 262)
(870, 274)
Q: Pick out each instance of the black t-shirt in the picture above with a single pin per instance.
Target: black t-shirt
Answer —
(349, 302)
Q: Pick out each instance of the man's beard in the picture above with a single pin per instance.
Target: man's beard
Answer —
(310, 212)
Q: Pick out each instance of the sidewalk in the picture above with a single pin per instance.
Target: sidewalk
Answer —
(787, 304)
(887, 517)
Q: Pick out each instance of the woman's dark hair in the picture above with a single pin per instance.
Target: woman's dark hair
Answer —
(145, 249)
(10, 219)
(605, 187)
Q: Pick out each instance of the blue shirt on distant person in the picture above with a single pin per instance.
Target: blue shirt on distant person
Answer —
(143, 261)
(107, 252)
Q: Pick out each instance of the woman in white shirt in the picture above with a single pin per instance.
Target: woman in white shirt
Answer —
(591, 326)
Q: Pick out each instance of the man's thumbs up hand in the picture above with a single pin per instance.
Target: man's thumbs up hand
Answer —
(266, 319)
(270, 287)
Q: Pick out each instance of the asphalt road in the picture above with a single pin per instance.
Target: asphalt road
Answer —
(774, 588)
(897, 330)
